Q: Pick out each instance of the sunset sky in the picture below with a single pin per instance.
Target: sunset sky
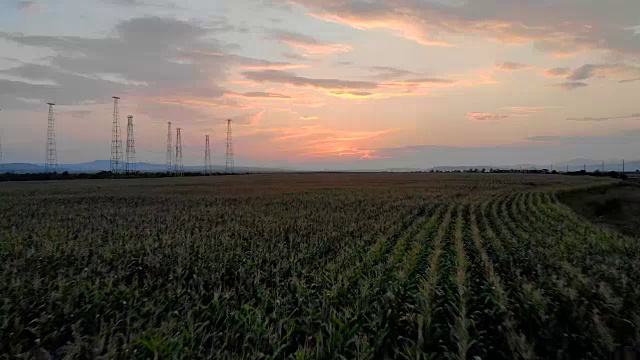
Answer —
(315, 84)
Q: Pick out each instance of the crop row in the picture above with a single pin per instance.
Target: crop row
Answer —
(458, 268)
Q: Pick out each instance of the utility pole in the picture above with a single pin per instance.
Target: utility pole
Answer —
(229, 153)
(207, 156)
(567, 168)
(169, 150)
(623, 166)
(116, 142)
(131, 165)
(52, 156)
(585, 168)
(179, 167)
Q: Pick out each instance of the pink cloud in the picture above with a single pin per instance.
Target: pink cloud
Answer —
(509, 22)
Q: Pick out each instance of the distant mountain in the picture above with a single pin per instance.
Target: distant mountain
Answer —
(105, 165)
(21, 168)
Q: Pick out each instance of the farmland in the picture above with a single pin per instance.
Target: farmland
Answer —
(410, 266)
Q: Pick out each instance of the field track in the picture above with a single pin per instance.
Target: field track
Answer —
(368, 266)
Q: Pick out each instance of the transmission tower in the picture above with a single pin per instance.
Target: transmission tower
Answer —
(207, 156)
(229, 153)
(179, 168)
(169, 150)
(116, 142)
(52, 156)
(130, 165)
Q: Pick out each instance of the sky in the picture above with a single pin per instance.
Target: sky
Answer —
(317, 84)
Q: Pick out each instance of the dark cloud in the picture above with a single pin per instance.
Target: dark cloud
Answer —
(353, 93)
(576, 78)
(284, 36)
(512, 66)
(26, 4)
(584, 72)
(629, 80)
(259, 94)
(569, 85)
(143, 57)
(483, 116)
(307, 44)
(389, 72)
(283, 77)
(604, 118)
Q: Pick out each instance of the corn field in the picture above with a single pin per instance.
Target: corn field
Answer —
(315, 266)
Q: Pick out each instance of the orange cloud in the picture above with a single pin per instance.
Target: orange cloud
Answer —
(309, 118)
(509, 22)
(556, 72)
(404, 29)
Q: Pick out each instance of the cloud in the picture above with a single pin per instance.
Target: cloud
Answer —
(593, 25)
(484, 116)
(633, 116)
(557, 72)
(267, 65)
(526, 109)
(354, 94)
(139, 59)
(419, 82)
(569, 85)
(27, 5)
(309, 118)
(309, 45)
(629, 80)
(614, 71)
(389, 72)
(513, 66)
(577, 77)
(282, 77)
(250, 120)
(263, 95)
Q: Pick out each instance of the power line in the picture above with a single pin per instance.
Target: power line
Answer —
(229, 154)
(169, 150)
(51, 161)
(207, 156)
(130, 165)
(116, 142)
(179, 167)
